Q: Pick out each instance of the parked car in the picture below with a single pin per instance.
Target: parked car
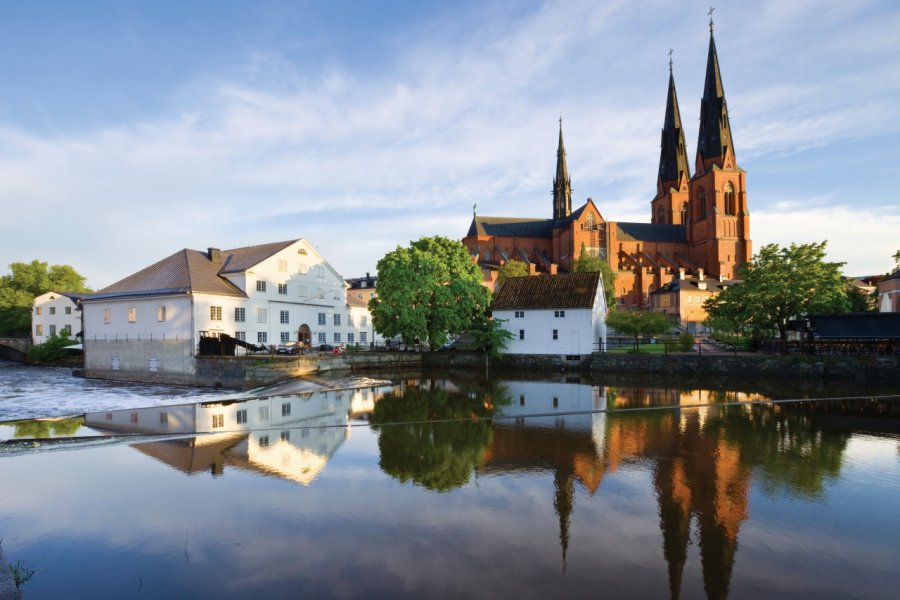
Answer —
(290, 348)
(464, 343)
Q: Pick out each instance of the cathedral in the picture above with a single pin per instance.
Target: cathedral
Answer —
(700, 225)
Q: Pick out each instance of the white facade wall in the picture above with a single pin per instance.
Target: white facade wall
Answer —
(51, 313)
(139, 318)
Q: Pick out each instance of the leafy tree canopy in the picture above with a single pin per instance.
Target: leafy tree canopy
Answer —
(637, 322)
(778, 285)
(428, 291)
(588, 264)
(512, 268)
(26, 281)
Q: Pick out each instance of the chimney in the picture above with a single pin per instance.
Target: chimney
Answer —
(214, 254)
(701, 275)
(554, 268)
(701, 285)
(681, 273)
(721, 277)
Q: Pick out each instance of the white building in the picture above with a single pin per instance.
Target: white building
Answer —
(266, 294)
(361, 290)
(562, 315)
(53, 313)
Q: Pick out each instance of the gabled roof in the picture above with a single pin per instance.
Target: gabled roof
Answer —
(511, 227)
(191, 271)
(566, 290)
(860, 326)
(651, 232)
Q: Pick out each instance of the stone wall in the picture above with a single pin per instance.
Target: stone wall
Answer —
(864, 368)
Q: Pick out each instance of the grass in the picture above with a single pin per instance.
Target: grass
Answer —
(643, 349)
(20, 573)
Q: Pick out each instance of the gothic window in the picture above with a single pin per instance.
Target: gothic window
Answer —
(590, 220)
(730, 208)
(684, 213)
(661, 215)
(702, 205)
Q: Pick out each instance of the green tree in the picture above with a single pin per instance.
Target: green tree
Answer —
(859, 301)
(778, 285)
(491, 339)
(428, 291)
(26, 281)
(637, 322)
(588, 264)
(53, 349)
(512, 268)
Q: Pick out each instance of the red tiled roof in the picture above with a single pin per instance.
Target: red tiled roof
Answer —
(565, 290)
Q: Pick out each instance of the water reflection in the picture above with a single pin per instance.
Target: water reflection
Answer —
(291, 437)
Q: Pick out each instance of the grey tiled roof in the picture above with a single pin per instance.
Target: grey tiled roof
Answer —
(651, 232)
(190, 271)
(566, 290)
(511, 227)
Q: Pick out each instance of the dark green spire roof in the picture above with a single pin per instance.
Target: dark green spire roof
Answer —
(562, 186)
(715, 130)
(673, 159)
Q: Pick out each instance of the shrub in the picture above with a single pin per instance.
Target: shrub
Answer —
(53, 349)
(685, 342)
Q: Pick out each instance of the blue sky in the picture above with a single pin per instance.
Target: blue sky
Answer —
(129, 130)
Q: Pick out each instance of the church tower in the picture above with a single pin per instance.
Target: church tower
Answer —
(672, 195)
(562, 186)
(718, 222)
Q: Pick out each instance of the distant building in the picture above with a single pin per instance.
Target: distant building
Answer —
(563, 314)
(683, 298)
(268, 294)
(699, 222)
(361, 290)
(55, 312)
(889, 293)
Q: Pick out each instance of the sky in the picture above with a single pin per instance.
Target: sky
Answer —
(130, 130)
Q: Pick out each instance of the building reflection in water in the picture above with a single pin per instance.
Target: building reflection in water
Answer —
(290, 437)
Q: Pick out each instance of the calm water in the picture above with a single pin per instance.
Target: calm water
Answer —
(436, 487)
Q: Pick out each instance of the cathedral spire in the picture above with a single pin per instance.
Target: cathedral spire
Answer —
(715, 130)
(562, 186)
(673, 161)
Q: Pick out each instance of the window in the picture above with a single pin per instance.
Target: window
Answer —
(320, 271)
(351, 338)
(730, 207)
(285, 316)
(282, 266)
(303, 268)
(302, 251)
(285, 436)
(67, 329)
(520, 314)
(559, 314)
(337, 338)
(336, 295)
(53, 330)
(262, 315)
(133, 417)
(163, 418)
(521, 400)
(362, 337)
(321, 318)
(337, 320)
(38, 330)
(264, 413)
(262, 337)
(240, 315)
(161, 313)
(215, 313)
(282, 289)
(132, 314)
(68, 310)
(321, 337)
(521, 334)
(263, 441)
(52, 310)
(363, 320)
(286, 409)
(302, 291)
(218, 421)
(285, 337)
(590, 220)
(260, 286)
(556, 334)
(38, 310)
(240, 335)
(555, 402)
(242, 416)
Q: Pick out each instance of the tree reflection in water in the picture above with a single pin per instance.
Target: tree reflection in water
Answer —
(45, 428)
(434, 437)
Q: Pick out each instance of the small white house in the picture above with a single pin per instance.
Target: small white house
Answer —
(266, 294)
(55, 312)
(563, 315)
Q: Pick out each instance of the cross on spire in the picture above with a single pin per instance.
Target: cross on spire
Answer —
(670, 60)
(710, 14)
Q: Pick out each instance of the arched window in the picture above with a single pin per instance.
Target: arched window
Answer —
(661, 214)
(590, 220)
(730, 207)
(702, 205)
(684, 213)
